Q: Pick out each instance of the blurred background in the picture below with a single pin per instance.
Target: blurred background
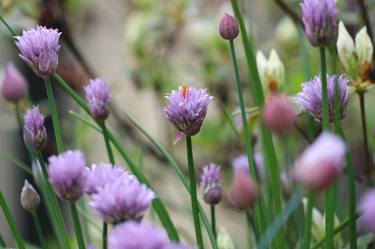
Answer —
(145, 48)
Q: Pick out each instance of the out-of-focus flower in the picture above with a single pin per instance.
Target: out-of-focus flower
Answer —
(187, 109)
(134, 235)
(311, 96)
(317, 167)
(243, 191)
(279, 113)
(100, 175)
(123, 199)
(30, 199)
(271, 71)
(320, 21)
(241, 163)
(286, 34)
(39, 49)
(14, 86)
(211, 184)
(367, 211)
(98, 96)
(34, 132)
(228, 27)
(224, 241)
(67, 174)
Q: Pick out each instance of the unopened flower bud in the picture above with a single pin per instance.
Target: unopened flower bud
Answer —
(30, 199)
(34, 132)
(363, 47)
(345, 48)
(224, 241)
(14, 86)
(228, 27)
(98, 96)
(243, 191)
(320, 163)
(279, 113)
(211, 184)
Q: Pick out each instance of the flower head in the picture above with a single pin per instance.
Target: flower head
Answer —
(279, 113)
(367, 211)
(243, 191)
(320, 163)
(320, 21)
(134, 235)
(67, 174)
(311, 96)
(98, 96)
(102, 174)
(30, 199)
(187, 109)
(241, 163)
(39, 48)
(34, 132)
(123, 199)
(211, 184)
(14, 86)
(228, 27)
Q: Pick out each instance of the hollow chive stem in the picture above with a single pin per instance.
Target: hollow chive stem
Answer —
(245, 127)
(39, 230)
(77, 226)
(368, 163)
(11, 223)
(54, 115)
(213, 220)
(2, 241)
(112, 160)
(193, 191)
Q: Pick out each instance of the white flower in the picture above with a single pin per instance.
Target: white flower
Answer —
(345, 48)
(363, 46)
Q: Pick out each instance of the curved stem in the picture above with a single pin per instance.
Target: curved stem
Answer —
(213, 220)
(11, 223)
(77, 226)
(39, 230)
(308, 221)
(54, 115)
(193, 190)
(368, 166)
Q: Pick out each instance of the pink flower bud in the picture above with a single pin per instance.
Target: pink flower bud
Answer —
(228, 27)
(279, 113)
(14, 86)
(243, 191)
(320, 163)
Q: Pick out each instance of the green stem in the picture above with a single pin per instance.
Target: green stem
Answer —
(325, 103)
(213, 220)
(365, 136)
(112, 160)
(55, 115)
(330, 215)
(39, 230)
(2, 241)
(308, 221)
(55, 209)
(77, 226)
(7, 26)
(11, 223)
(193, 190)
(247, 136)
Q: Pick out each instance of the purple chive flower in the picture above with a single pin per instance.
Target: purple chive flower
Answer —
(67, 174)
(240, 163)
(123, 199)
(187, 109)
(311, 96)
(228, 27)
(34, 132)
(320, 21)
(98, 96)
(320, 163)
(243, 191)
(100, 175)
(39, 48)
(14, 86)
(211, 184)
(367, 211)
(134, 235)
